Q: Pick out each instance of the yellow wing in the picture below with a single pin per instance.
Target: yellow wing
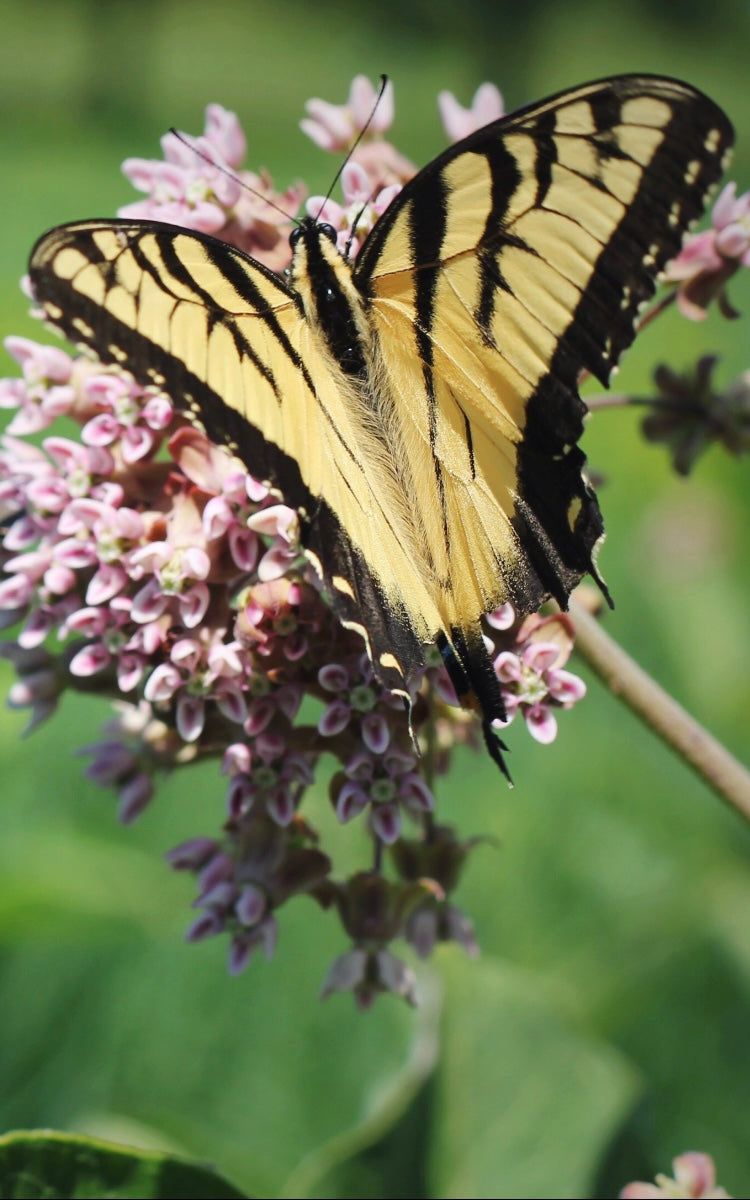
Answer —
(230, 343)
(515, 260)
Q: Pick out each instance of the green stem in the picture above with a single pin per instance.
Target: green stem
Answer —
(377, 862)
(728, 778)
(615, 400)
(621, 400)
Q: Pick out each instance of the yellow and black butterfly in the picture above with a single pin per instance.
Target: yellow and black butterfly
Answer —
(419, 406)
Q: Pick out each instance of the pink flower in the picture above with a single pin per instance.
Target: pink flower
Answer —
(694, 1179)
(502, 618)
(362, 207)
(124, 417)
(46, 392)
(383, 777)
(532, 676)
(261, 219)
(193, 186)
(355, 693)
(459, 122)
(708, 260)
(199, 186)
(336, 126)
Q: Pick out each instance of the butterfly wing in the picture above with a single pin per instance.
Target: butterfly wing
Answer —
(512, 262)
(228, 341)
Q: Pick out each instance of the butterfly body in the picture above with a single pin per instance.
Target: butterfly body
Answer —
(419, 406)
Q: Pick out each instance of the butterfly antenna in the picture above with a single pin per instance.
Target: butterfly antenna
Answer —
(353, 147)
(181, 137)
(354, 225)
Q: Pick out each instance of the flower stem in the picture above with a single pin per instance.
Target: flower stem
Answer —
(611, 400)
(643, 696)
(622, 400)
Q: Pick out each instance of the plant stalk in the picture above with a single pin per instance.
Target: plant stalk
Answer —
(723, 773)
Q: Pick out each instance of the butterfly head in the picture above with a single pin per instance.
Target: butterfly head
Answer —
(315, 256)
(333, 305)
(318, 228)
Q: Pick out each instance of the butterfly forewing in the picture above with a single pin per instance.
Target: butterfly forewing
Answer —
(226, 339)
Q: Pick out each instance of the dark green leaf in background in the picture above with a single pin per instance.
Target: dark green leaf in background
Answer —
(41, 1165)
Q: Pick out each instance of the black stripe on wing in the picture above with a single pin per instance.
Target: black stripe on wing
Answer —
(174, 268)
(559, 538)
(428, 215)
(505, 175)
(85, 320)
(671, 195)
(117, 342)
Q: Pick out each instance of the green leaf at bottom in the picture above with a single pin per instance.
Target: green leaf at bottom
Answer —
(41, 1165)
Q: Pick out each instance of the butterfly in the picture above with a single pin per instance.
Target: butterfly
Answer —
(419, 406)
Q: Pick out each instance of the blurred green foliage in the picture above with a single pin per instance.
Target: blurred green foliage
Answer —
(606, 1028)
(77, 1167)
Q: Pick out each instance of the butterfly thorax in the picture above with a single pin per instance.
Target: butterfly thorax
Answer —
(333, 307)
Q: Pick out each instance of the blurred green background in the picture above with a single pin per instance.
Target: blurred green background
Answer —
(607, 1026)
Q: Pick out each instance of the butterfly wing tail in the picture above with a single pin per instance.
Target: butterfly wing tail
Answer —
(476, 685)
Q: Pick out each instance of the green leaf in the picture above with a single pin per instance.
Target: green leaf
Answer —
(526, 1103)
(254, 1073)
(42, 1165)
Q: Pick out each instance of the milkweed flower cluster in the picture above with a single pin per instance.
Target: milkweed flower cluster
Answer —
(144, 564)
(200, 185)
